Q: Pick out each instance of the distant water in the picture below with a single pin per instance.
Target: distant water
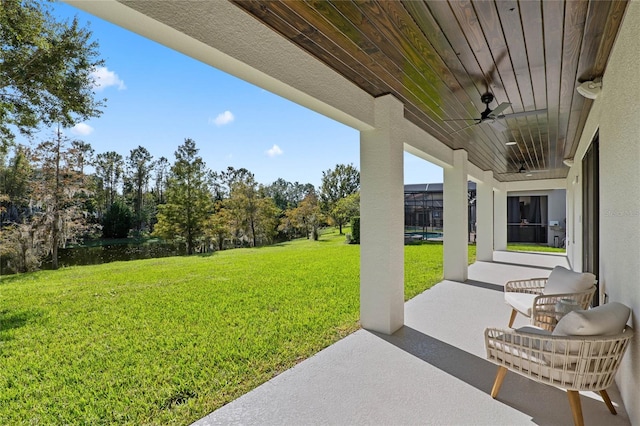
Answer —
(117, 251)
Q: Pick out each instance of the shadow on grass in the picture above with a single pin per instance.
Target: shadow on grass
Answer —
(324, 240)
(9, 279)
(13, 320)
(207, 254)
(424, 243)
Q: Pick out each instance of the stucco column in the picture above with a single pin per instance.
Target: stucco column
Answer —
(484, 215)
(382, 220)
(456, 218)
(500, 219)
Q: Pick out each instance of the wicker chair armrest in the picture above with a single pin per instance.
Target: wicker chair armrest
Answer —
(544, 313)
(531, 286)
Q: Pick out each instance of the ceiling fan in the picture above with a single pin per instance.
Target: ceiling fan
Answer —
(523, 170)
(492, 116)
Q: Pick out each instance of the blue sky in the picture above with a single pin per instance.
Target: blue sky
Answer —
(157, 97)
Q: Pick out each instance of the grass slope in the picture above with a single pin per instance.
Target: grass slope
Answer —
(166, 341)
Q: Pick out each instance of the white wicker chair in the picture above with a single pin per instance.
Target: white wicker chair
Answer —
(574, 363)
(537, 298)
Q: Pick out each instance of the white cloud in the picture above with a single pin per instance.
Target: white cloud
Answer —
(274, 151)
(222, 119)
(103, 78)
(82, 129)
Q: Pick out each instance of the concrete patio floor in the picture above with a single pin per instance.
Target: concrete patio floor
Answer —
(432, 371)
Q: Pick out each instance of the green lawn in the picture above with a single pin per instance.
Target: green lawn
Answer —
(534, 247)
(166, 341)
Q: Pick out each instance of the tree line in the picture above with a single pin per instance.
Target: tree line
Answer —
(60, 192)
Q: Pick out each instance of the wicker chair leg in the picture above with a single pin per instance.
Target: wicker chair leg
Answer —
(607, 400)
(502, 371)
(513, 317)
(576, 407)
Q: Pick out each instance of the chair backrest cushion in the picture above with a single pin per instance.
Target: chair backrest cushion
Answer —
(563, 280)
(603, 320)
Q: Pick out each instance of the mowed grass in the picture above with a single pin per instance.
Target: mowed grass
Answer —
(534, 248)
(166, 341)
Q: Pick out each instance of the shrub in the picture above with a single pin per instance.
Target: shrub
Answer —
(355, 230)
(117, 221)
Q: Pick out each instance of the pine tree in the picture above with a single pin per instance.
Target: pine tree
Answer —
(188, 206)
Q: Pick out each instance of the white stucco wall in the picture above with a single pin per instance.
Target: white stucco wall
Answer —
(616, 113)
(620, 192)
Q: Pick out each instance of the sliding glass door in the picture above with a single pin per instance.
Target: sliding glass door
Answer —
(591, 212)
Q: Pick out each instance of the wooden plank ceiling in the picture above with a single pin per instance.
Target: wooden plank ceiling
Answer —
(440, 57)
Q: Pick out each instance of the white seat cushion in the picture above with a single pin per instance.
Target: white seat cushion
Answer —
(562, 280)
(532, 329)
(521, 302)
(522, 354)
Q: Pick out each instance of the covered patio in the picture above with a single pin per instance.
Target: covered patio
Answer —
(416, 76)
(431, 371)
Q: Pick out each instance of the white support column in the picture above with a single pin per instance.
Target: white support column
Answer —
(456, 218)
(382, 220)
(484, 215)
(500, 219)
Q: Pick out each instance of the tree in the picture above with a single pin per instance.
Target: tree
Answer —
(83, 154)
(15, 186)
(254, 215)
(160, 168)
(20, 247)
(287, 195)
(289, 224)
(232, 176)
(305, 218)
(266, 221)
(310, 215)
(219, 227)
(189, 204)
(109, 167)
(117, 221)
(280, 192)
(243, 206)
(336, 184)
(58, 190)
(139, 171)
(45, 69)
(344, 209)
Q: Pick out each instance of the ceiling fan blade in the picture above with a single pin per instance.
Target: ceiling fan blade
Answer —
(523, 114)
(465, 127)
(500, 108)
(522, 172)
(460, 119)
(497, 125)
